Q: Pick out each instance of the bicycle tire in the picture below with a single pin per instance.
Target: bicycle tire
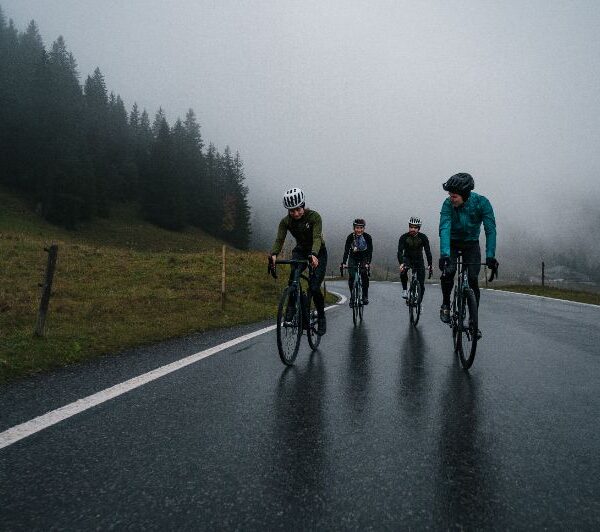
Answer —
(454, 321)
(354, 306)
(409, 299)
(313, 324)
(359, 301)
(468, 348)
(288, 336)
(414, 306)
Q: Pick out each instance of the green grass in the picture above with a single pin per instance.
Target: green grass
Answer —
(119, 282)
(558, 293)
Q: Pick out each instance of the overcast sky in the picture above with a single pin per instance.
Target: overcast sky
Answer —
(368, 105)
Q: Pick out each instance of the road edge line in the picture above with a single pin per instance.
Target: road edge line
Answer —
(508, 292)
(44, 421)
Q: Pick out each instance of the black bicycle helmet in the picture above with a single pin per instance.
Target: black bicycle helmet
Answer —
(461, 183)
(359, 222)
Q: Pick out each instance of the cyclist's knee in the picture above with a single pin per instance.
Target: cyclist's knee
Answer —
(447, 280)
(315, 289)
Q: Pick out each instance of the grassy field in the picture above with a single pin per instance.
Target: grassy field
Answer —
(558, 293)
(119, 282)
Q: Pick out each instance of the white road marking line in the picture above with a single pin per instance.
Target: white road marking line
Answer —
(342, 300)
(19, 432)
(508, 293)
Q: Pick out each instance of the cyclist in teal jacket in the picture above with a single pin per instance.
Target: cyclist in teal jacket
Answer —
(461, 217)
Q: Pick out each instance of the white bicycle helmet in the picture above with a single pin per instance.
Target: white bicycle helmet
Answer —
(293, 198)
(414, 220)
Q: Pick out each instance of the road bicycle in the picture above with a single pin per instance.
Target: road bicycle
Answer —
(356, 294)
(464, 319)
(296, 313)
(414, 297)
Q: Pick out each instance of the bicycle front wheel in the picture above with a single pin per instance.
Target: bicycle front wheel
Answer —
(454, 321)
(468, 324)
(414, 303)
(359, 301)
(289, 326)
(313, 324)
(354, 305)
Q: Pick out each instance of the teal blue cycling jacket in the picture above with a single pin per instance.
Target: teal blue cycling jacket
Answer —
(464, 223)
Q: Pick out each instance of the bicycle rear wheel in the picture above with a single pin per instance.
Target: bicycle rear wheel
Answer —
(289, 332)
(466, 344)
(313, 324)
(414, 303)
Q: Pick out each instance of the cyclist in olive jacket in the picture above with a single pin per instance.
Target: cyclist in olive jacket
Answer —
(306, 227)
(461, 217)
(358, 249)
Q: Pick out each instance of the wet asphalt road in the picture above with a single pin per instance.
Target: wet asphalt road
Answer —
(380, 429)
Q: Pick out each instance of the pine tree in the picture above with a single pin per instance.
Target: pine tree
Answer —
(123, 172)
(25, 56)
(159, 120)
(195, 175)
(236, 213)
(163, 199)
(10, 109)
(67, 190)
(96, 102)
(243, 215)
(213, 210)
(143, 147)
(134, 119)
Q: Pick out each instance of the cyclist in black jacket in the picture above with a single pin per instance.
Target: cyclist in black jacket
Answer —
(410, 254)
(358, 249)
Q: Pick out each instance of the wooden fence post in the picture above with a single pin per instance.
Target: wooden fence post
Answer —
(47, 289)
(223, 280)
(543, 274)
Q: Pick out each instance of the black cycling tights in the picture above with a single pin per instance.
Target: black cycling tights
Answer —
(471, 254)
(447, 288)
(316, 278)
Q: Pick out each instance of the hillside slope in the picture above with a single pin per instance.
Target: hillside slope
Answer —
(119, 282)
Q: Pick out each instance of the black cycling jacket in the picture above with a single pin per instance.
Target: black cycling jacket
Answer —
(410, 248)
(365, 255)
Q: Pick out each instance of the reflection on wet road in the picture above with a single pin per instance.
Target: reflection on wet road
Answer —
(380, 428)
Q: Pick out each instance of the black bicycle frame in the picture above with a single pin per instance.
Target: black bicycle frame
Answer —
(295, 284)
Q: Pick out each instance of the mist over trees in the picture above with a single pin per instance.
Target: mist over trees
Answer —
(75, 151)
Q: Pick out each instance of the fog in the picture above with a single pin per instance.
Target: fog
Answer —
(370, 106)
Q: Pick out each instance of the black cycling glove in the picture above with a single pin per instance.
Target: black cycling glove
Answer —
(491, 263)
